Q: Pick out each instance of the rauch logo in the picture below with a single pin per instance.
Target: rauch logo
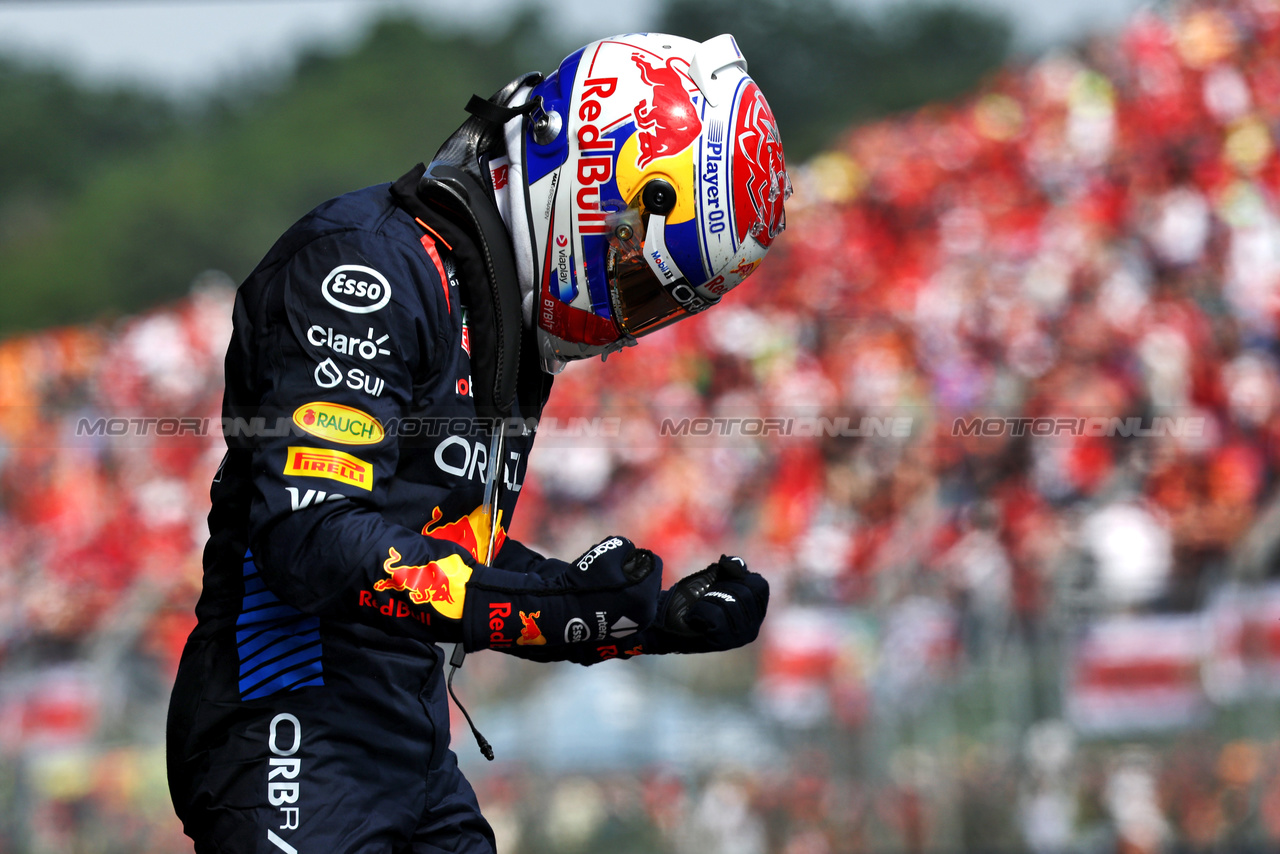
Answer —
(337, 423)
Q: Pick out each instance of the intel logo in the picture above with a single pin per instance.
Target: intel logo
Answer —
(357, 289)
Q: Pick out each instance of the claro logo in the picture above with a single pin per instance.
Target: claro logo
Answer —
(357, 289)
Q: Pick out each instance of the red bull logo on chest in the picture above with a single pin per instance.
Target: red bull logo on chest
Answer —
(471, 532)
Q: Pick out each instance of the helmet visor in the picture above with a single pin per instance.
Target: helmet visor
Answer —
(642, 301)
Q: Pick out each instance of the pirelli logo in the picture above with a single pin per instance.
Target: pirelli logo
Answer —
(334, 465)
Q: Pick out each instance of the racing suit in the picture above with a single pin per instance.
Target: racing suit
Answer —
(347, 538)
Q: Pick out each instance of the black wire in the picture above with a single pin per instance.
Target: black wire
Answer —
(455, 661)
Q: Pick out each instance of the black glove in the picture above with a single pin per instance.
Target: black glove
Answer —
(607, 595)
(718, 608)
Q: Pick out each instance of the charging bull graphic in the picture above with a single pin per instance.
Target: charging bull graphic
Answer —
(442, 584)
(471, 532)
(667, 120)
(530, 634)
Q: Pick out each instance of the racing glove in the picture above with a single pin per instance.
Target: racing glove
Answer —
(611, 590)
(718, 608)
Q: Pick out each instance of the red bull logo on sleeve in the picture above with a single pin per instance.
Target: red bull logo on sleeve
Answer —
(442, 584)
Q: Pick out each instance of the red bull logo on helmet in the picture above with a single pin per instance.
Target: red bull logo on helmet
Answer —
(667, 120)
(745, 268)
(595, 165)
(442, 584)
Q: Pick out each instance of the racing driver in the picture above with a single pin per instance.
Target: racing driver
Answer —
(389, 356)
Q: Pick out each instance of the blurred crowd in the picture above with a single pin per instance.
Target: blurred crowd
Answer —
(1045, 799)
(1023, 349)
(93, 526)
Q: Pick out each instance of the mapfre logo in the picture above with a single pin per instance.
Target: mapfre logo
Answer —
(357, 289)
(337, 423)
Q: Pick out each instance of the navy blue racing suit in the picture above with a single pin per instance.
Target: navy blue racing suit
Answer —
(346, 540)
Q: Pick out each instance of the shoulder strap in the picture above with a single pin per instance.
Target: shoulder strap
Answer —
(460, 211)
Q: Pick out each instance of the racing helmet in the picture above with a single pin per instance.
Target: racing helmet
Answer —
(655, 184)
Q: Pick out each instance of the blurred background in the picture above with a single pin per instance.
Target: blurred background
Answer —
(1024, 543)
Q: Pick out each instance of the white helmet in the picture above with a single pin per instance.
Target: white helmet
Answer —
(654, 183)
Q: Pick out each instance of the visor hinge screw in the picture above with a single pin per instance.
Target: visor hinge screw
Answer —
(546, 125)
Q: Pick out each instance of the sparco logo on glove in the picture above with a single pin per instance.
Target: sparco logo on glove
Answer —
(357, 289)
(584, 562)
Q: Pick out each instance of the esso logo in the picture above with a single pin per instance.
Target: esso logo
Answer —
(576, 631)
(357, 289)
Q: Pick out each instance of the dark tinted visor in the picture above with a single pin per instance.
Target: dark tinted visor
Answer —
(641, 303)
